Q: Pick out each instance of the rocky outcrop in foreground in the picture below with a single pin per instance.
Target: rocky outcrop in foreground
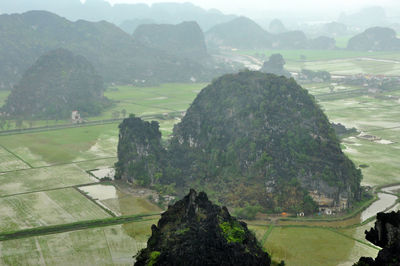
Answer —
(196, 232)
(386, 235)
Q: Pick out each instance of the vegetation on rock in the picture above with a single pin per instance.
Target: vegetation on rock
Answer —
(260, 140)
(275, 66)
(196, 232)
(375, 39)
(183, 40)
(57, 84)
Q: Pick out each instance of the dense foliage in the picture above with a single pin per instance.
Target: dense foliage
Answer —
(275, 65)
(240, 32)
(57, 84)
(375, 39)
(194, 231)
(261, 140)
(140, 153)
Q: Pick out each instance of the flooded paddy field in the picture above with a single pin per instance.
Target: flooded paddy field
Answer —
(112, 245)
(46, 208)
(39, 179)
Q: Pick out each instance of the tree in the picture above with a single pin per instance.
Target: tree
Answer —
(123, 112)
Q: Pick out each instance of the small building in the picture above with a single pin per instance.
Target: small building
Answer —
(76, 117)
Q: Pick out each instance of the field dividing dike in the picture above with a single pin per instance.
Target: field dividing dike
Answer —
(65, 126)
(267, 233)
(16, 156)
(49, 189)
(55, 229)
(355, 239)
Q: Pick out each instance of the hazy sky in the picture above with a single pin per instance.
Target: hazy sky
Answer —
(257, 7)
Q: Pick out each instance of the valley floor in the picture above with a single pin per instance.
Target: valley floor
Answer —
(48, 181)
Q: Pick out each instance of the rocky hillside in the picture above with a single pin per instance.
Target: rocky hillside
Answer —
(240, 32)
(196, 232)
(386, 235)
(259, 139)
(139, 151)
(183, 40)
(375, 39)
(275, 65)
(57, 84)
(114, 53)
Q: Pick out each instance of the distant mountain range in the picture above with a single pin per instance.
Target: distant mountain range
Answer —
(375, 39)
(244, 33)
(116, 55)
(96, 10)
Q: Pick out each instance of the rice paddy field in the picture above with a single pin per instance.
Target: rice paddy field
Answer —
(45, 179)
(46, 208)
(338, 62)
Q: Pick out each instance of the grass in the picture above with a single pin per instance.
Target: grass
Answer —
(375, 116)
(314, 246)
(166, 98)
(97, 164)
(40, 179)
(128, 205)
(46, 208)
(111, 245)
(63, 146)
(10, 162)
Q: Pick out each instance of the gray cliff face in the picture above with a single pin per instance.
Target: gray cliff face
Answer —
(385, 234)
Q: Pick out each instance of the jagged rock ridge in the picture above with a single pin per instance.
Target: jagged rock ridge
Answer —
(196, 232)
(385, 234)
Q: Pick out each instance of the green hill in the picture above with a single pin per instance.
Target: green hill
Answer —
(258, 139)
(375, 39)
(182, 40)
(240, 32)
(57, 84)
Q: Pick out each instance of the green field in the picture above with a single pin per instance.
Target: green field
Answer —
(64, 146)
(149, 101)
(113, 245)
(10, 162)
(46, 208)
(119, 203)
(375, 116)
(314, 246)
(96, 164)
(43, 179)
